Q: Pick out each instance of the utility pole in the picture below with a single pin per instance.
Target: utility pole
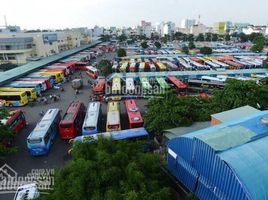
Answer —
(5, 19)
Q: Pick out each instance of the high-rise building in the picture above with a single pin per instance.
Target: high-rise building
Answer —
(198, 29)
(187, 23)
(168, 28)
(145, 24)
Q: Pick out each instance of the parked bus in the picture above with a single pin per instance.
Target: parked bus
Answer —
(129, 134)
(51, 78)
(113, 117)
(58, 76)
(61, 71)
(30, 92)
(92, 120)
(132, 67)
(36, 86)
(66, 69)
(42, 80)
(92, 72)
(142, 67)
(41, 138)
(135, 119)
(152, 67)
(116, 85)
(179, 85)
(72, 121)
(16, 121)
(99, 87)
(42, 83)
(14, 99)
(205, 84)
(145, 83)
(161, 66)
(211, 79)
(123, 67)
(130, 86)
(162, 83)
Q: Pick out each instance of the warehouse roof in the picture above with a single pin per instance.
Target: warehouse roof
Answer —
(32, 66)
(236, 113)
(242, 144)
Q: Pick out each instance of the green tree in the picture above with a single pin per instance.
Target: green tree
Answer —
(115, 170)
(215, 37)
(190, 38)
(227, 37)
(208, 37)
(6, 136)
(265, 63)
(206, 50)
(185, 50)
(191, 45)
(144, 45)
(157, 45)
(243, 37)
(105, 38)
(257, 47)
(105, 67)
(121, 52)
(200, 37)
(122, 38)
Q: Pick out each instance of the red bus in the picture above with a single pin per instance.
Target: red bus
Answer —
(70, 65)
(135, 119)
(16, 121)
(177, 83)
(92, 72)
(72, 121)
(81, 66)
(99, 87)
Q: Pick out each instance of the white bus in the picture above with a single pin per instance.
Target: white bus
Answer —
(130, 86)
(92, 119)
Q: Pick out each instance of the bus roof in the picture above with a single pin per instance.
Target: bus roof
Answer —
(133, 112)
(42, 127)
(163, 84)
(11, 93)
(71, 112)
(113, 117)
(92, 115)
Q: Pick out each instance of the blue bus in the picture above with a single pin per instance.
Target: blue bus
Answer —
(50, 78)
(41, 138)
(92, 119)
(36, 86)
(129, 134)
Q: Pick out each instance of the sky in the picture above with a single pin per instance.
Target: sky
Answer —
(58, 14)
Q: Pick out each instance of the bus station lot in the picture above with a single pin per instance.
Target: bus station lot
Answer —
(22, 162)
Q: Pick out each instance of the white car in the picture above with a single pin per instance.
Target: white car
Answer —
(27, 192)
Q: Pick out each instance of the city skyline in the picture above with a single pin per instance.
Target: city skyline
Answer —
(61, 14)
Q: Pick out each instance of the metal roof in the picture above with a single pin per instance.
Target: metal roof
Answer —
(15, 73)
(244, 72)
(235, 113)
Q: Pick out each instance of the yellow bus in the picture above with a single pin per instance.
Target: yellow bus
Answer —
(58, 75)
(161, 66)
(14, 99)
(116, 85)
(31, 93)
(113, 117)
(123, 67)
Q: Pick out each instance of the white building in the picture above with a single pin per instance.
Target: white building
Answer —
(254, 29)
(197, 29)
(16, 48)
(187, 23)
(168, 28)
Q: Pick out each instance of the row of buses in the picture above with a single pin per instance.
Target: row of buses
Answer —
(146, 84)
(78, 120)
(28, 88)
(188, 63)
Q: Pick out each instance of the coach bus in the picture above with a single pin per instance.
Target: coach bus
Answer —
(123, 67)
(135, 119)
(72, 121)
(142, 67)
(113, 117)
(41, 138)
(51, 78)
(205, 84)
(116, 85)
(41, 82)
(132, 67)
(145, 83)
(60, 71)
(58, 77)
(135, 134)
(16, 121)
(152, 67)
(36, 86)
(14, 99)
(162, 83)
(161, 66)
(30, 92)
(44, 81)
(92, 120)
(92, 72)
(99, 87)
(130, 86)
(179, 85)
(66, 69)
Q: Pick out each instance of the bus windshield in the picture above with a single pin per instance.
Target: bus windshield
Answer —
(35, 141)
